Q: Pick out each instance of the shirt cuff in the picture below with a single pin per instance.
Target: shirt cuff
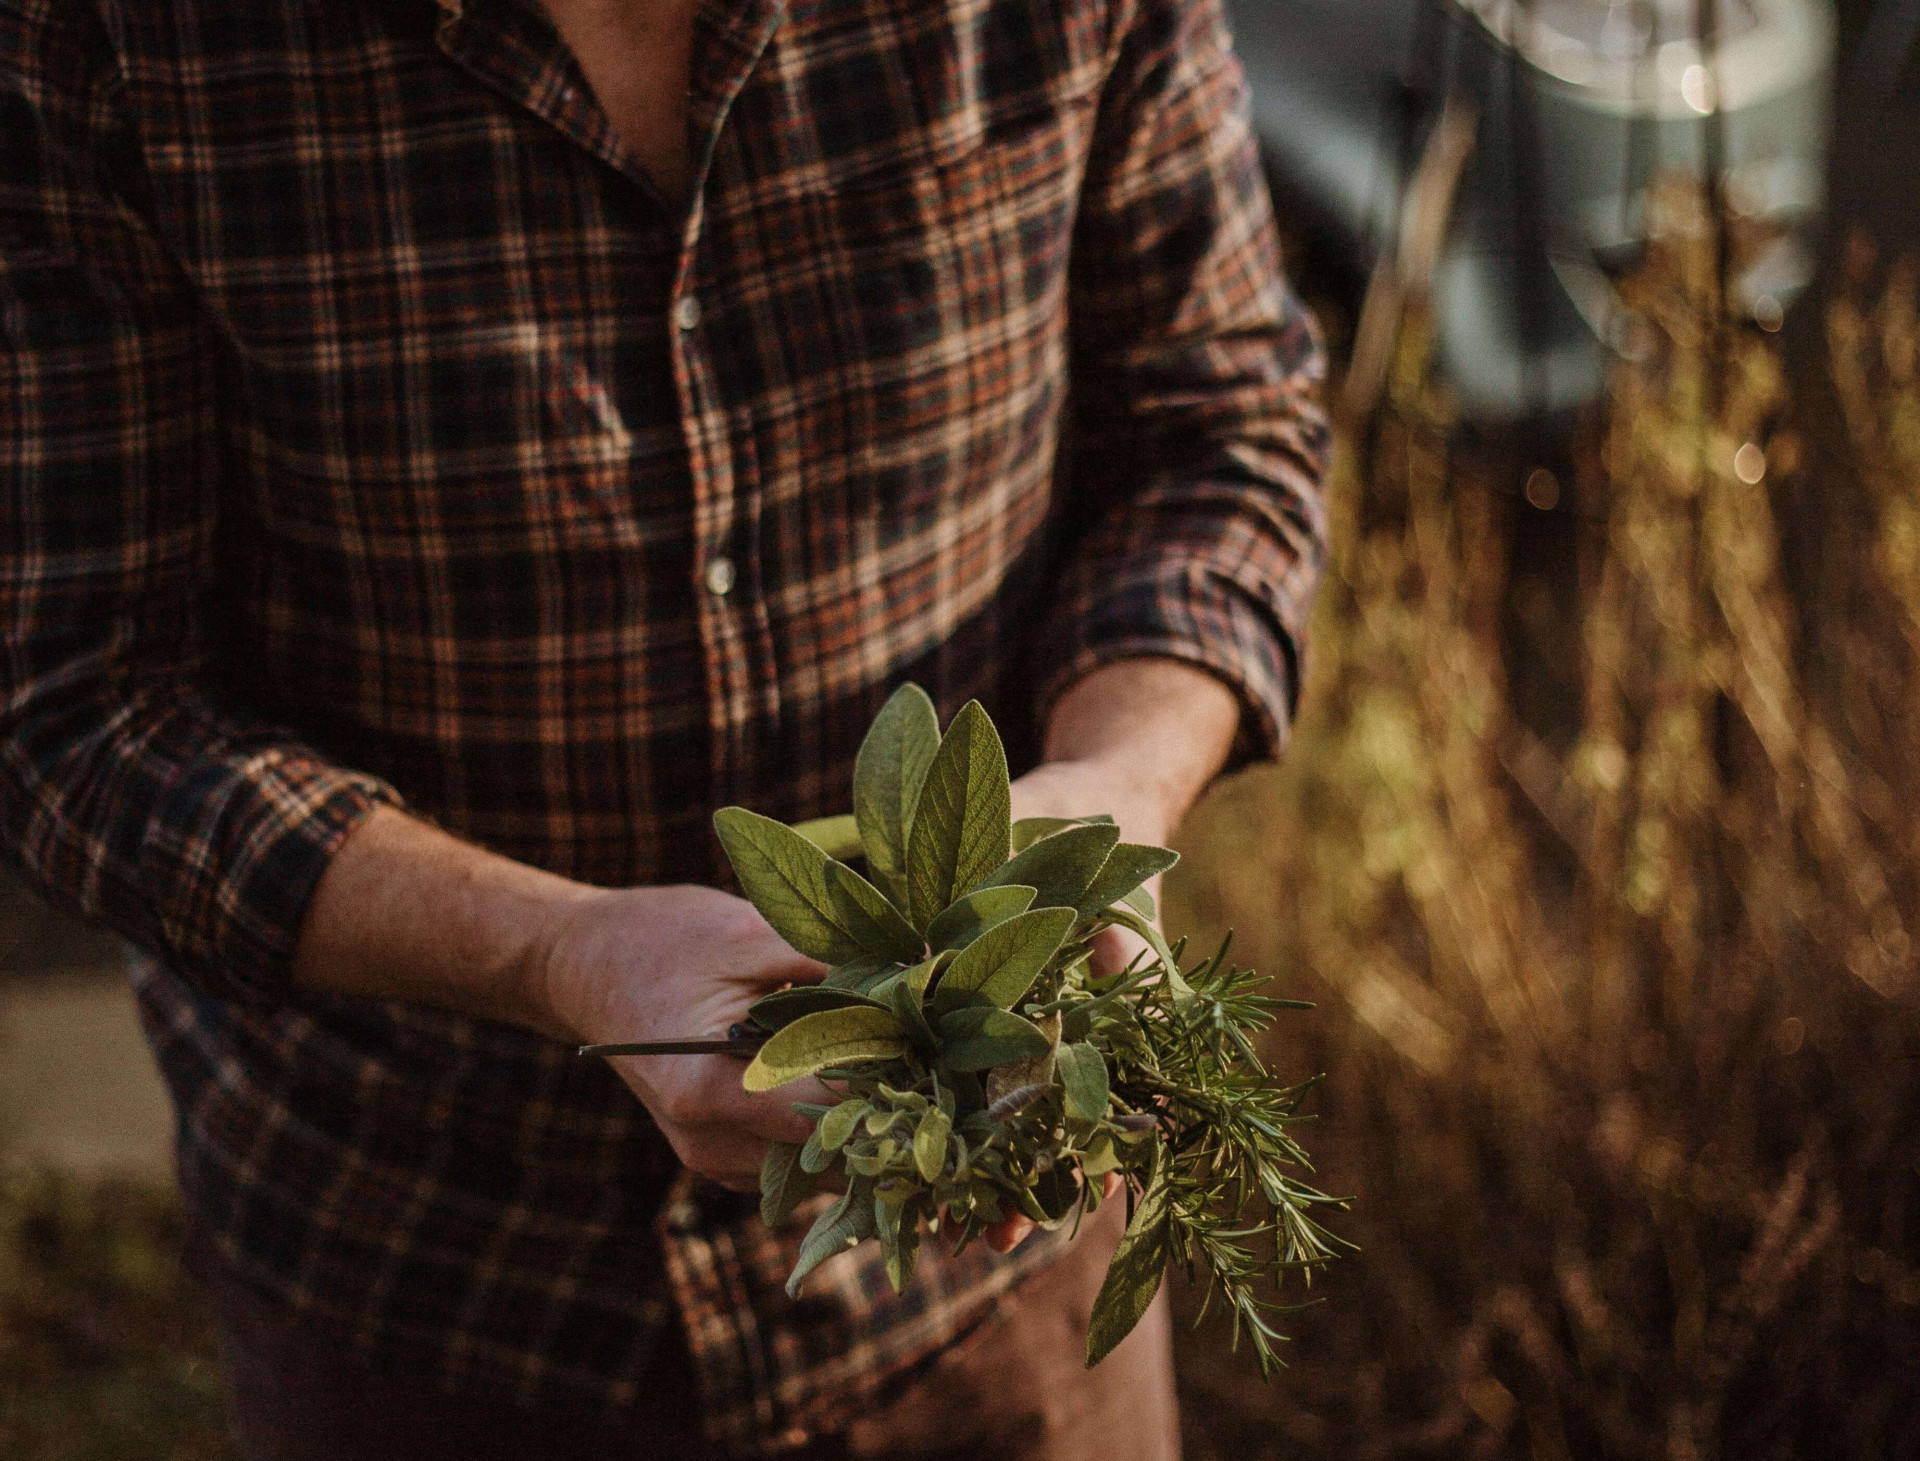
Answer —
(1193, 614)
(234, 854)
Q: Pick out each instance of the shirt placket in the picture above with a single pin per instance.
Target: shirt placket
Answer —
(726, 582)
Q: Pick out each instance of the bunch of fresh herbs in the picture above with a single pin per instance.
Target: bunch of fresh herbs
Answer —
(988, 1068)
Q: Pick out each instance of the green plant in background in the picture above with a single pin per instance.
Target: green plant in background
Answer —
(987, 1068)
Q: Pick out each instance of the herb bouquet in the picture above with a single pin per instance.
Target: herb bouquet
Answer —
(988, 1069)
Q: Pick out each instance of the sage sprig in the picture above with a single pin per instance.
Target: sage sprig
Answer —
(985, 1068)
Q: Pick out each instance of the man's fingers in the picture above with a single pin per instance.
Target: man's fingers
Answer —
(1114, 948)
(1009, 1233)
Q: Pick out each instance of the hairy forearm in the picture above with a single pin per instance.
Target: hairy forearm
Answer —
(406, 911)
(1149, 734)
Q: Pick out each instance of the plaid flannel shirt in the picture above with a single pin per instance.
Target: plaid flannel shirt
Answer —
(372, 431)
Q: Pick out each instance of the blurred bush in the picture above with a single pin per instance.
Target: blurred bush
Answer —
(106, 1351)
(1618, 996)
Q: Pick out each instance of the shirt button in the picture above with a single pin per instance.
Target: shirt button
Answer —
(720, 576)
(686, 314)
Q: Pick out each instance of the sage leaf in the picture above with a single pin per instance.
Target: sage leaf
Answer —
(930, 1144)
(961, 822)
(1139, 1263)
(981, 1037)
(1029, 830)
(781, 1008)
(822, 908)
(838, 1124)
(1083, 1075)
(861, 974)
(905, 999)
(1001, 965)
(838, 837)
(967, 918)
(1100, 1158)
(833, 1037)
(879, 927)
(1128, 866)
(912, 1100)
(1157, 941)
(887, 775)
(1060, 867)
(897, 1221)
(1034, 1069)
(1056, 1192)
(1141, 902)
(1017, 1100)
(839, 1228)
(783, 1183)
(814, 1158)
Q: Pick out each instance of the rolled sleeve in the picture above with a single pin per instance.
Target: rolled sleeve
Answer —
(1195, 517)
(135, 789)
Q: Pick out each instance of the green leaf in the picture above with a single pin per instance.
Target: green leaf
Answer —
(967, 918)
(1128, 866)
(1157, 941)
(1140, 901)
(930, 1144)
(1060, 866)
(824, 909)
(1056, 1192)
(832, 1037)
(1029, 830)
(838, 837)
(1003, 962)
(781, 1008)
(960, 825)
(1100, 1158)
(897, 1222)
(814, 1158)
(838, 1124)
(861, 974)
(839, 1228)
(1139, 1263)
(1083, 1073)
(887, 775)
(783, 1184)
(905, 995)
(981, 1037)
(875, 923)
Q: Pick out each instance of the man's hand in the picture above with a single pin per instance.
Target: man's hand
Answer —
(407, 912)
(656, 963)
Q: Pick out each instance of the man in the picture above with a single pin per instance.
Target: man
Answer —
(451, 446)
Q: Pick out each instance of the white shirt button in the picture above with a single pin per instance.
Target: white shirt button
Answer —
(686, 314)
(720, 576)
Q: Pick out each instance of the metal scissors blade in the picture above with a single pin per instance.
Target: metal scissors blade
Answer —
(743, 1041)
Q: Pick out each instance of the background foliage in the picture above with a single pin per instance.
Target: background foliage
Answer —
(1599, 853)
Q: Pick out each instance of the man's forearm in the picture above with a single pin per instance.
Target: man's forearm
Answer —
(1142, 738)
(406, 911)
